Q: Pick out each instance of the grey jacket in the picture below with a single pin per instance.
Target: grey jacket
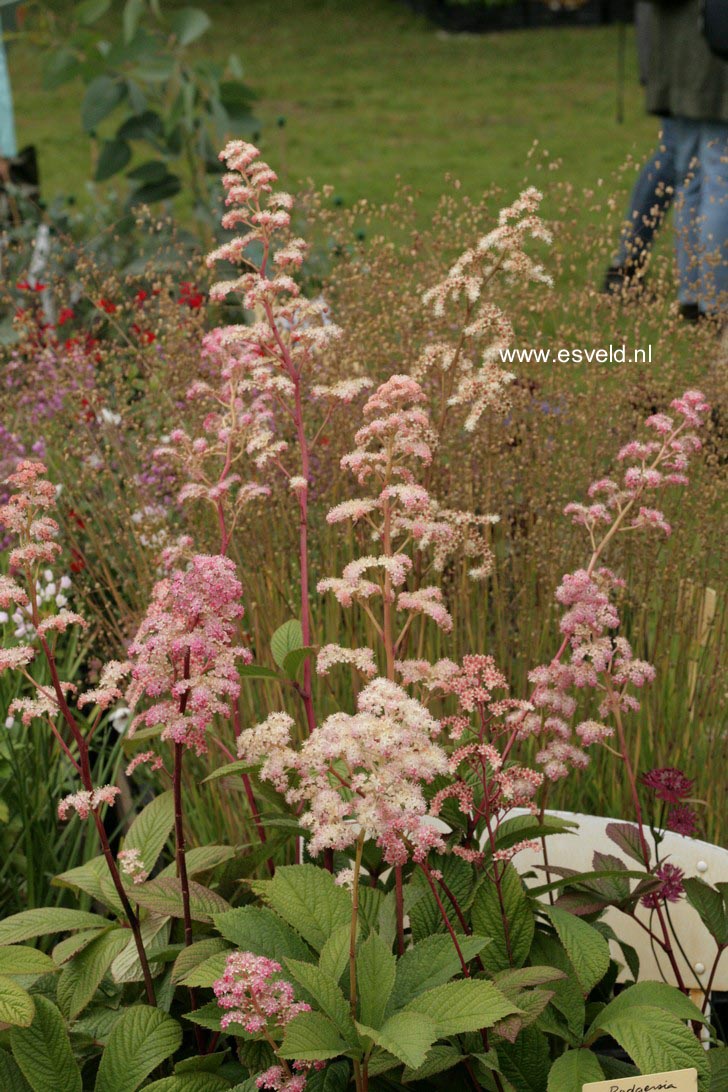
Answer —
(684, 79)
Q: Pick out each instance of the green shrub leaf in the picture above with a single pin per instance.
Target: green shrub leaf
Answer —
(164, 896)
(151, 829)
(189, 24)
(586, 948)
(18, 959)
(102, 96)
(141, 1039)
(196, 953)
(312, 1037)
(16, 1004)
(656, 1040)
(406, 1035)
(334, 957)
(659, 994)
(307, 898)
(11, 1079)
(80, 978)
(504, 950)
(709, 904)
(190, 1082)
(375, 973)
(326, 993)
(464, 1005)
(287, 638)
(40, 922)
(574, 1069)
(257, 929)
(43, 1051)
(431, 962)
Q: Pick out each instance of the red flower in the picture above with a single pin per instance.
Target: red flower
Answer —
(78, 563)
(670, 889)
(682, 819)
(65, 315)
(107, 305)
(190, 295)
(141, 296)
(668, 784)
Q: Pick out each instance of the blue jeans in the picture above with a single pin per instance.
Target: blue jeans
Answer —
(651, 197)
(701, 212)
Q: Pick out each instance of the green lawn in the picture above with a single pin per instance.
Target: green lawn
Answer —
(371, 91)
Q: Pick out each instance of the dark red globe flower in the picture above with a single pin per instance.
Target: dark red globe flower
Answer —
(668, 784)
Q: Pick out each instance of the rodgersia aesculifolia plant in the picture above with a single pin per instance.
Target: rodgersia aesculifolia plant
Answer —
(402, 943)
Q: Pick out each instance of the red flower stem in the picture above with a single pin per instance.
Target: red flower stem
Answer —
(399, 908)
(443, 913)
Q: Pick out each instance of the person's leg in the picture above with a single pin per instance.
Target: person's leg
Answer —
(651, 198)
(685, 134)
(713, 222)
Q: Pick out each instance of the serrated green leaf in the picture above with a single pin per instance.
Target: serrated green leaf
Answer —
(439, 1058)
(656, 1040)
(431, 962)
(16, 1004)
(164, 896)
(657, 994)
(572, 1070)
(80, 978)
(526, 1062)
(259, 930)
(141, 1040)
(523, 977)
(209, 1016)
(11, 1078)
(709, 904)
(627, 837)
(312, 1037)
(230, 769)
(206, 972)
(287, 638)
(195, 954)
(90, 878)
(190, 1082)
(307, 898)
(334, 1078)
(67, 948)
(334, 957)
(585, 947)
(718, 1060)
(19, 959)
(254, 671)
(464, 1005)
(425, 915)
(326, 993)
(568, 1000)
(406, 1035)
(44, 920)
(151, 829)
(43, 1051)
(293, 660)
(508, 948)
(375, 973)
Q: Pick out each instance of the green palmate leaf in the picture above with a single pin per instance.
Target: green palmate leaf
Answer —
(334, 957)
(406, 1035)
(230, 769)
(431, 962)
(710, 906)
(657, 994)
(127, 966)
(464, 1005)
(326, 993)
(312, 1037)
(189, 1082)
(44, 1053)
(151, 829)
(201, 859)
(40, 922)
(526, 1062)
(164, 896)
(656, 1040)
(80, 978)
(102, 96)
(197, 953)
(287, 638)
(206, 972)
(574, 1069)
(17, 959)
(189, 24)
(375, 973)
(627, 837)
(509, 947)
(16, 1004)
(11, 1078)
(259, 930)
(308, 899)
(585, 947)
(439, 1058)
(142, 1038)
